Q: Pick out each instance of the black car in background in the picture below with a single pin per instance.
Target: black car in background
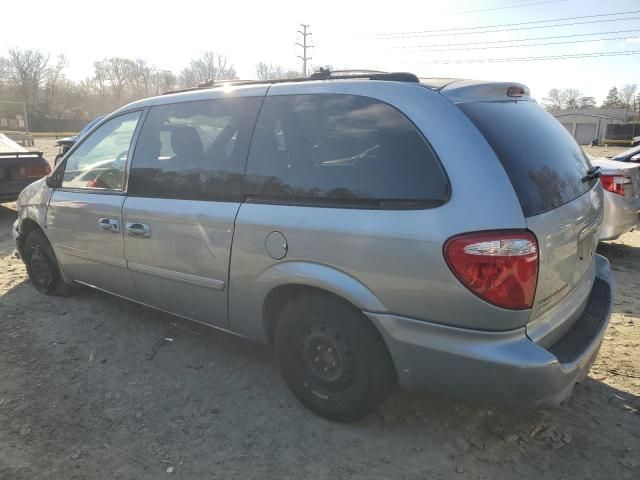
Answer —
(67, 142)
(18, 168)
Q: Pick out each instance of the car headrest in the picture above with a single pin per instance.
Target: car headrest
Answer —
(186, 142)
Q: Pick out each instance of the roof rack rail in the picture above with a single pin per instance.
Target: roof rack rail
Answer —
(321, 74)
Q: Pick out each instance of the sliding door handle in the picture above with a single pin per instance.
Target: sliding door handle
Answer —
(139, 230)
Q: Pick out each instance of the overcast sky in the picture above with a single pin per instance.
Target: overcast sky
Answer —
(345, 34)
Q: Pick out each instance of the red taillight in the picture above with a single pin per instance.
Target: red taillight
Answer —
(615, 183)
(500, 267)
(35, 171)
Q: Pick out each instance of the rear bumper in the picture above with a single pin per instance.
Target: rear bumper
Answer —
(503, 367)
(620, 216)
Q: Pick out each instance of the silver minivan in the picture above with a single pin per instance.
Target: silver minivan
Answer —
(375, 228)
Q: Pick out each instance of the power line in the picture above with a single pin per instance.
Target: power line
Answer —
(531, 59)
(531, 44)
(515, 40)
(305, 47)
(512, 29)
(505, 7)
(533, 22)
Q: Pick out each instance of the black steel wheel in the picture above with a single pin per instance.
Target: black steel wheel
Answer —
(42, 267)
(332, 358)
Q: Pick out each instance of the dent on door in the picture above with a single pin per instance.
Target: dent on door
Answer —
(178, 253)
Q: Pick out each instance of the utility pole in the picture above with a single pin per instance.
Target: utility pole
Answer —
(304, 46)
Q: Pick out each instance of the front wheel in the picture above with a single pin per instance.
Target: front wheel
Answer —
(42, 267)
(332, 357)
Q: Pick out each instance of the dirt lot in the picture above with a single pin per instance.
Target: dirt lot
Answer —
(88, 389)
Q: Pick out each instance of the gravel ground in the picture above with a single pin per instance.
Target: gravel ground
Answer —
(89, 388)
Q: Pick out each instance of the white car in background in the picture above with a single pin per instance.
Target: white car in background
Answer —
(621, 182)
(631, 155)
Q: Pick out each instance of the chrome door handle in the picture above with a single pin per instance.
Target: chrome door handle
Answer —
(139, 230)
(109, 224)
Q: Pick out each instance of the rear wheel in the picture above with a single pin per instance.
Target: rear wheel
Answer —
(332, 358)
(42, 267)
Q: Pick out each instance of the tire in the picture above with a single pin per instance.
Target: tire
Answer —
(332, 357)
(42, 266)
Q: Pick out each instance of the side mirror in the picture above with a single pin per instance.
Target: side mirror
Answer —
(635, 158)
(54, 179)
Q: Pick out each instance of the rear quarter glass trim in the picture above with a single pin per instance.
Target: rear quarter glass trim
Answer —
(370, 204)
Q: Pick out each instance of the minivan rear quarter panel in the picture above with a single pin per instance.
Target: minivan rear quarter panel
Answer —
(397, 254)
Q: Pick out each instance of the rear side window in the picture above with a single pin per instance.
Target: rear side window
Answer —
(545, 164)
(194, 150)
(341, 150)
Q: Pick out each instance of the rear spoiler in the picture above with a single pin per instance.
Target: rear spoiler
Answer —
(18, 155)
(463, 91)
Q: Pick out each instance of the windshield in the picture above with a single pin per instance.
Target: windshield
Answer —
(90, 125)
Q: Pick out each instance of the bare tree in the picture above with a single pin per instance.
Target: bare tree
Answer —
(270, 71)
(32, 75)
(118, 71)
(627, 93)
(26, 71)
(4, 69)
(569, 98)
(162, 81)
(99, 83)
(208, 67)
(4, 75)
(586, 102)
(53, 78)
(553, 100)
(140, 78)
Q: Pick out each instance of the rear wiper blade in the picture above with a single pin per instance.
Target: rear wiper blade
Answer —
(593, 172)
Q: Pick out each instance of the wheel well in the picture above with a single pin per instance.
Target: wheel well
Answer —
(26, 227)
(278, 298)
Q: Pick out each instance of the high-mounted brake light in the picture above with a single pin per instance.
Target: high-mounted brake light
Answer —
(500, 267)
(515, 91)
(615, 183)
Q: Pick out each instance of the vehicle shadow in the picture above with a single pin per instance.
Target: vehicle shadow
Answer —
(126, 375)
(616, 252)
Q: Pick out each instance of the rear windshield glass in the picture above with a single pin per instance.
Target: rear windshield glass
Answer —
(545, 164)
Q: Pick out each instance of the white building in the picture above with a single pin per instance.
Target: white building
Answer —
(589, 123)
